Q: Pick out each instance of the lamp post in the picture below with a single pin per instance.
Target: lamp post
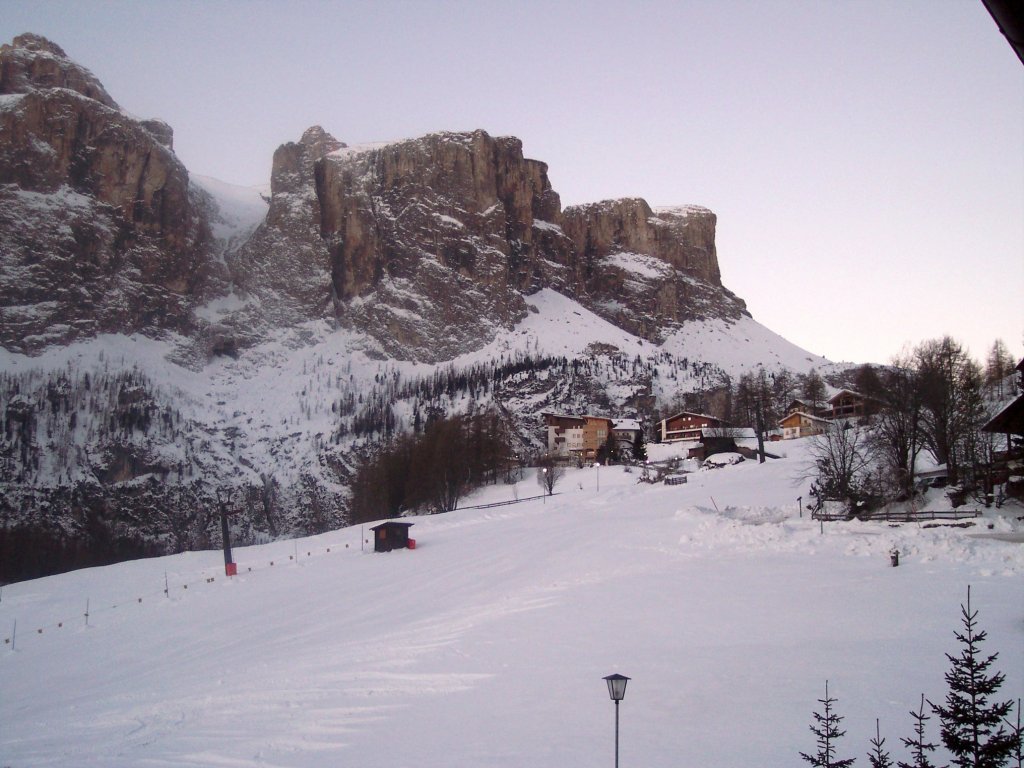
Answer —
(617, 692)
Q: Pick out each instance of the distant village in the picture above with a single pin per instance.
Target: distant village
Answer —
(585, 438)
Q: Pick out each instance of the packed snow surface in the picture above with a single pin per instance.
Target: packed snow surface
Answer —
(486, 645)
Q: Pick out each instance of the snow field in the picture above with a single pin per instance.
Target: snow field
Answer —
(487, 644)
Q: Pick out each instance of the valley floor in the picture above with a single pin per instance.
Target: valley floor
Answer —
(486, 645)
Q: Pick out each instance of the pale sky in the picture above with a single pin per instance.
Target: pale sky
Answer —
(865, 158)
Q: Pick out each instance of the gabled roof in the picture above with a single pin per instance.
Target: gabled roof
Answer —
(582, 419)
(695, 414)
(809, 416)
(1009, 419)
(842, 392)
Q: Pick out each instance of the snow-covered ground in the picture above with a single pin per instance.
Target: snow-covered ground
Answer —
(278, 397)
(486, 645)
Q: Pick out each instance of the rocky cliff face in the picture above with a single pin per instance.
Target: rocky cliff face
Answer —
(424, 249)
(97, 228)
(431, 241)
(286, 263)
(648, 271)
(428, 245)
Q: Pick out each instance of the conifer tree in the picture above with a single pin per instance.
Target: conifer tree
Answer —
(879, 756)
(919, 748)
(826, 730)
(973, 727)
(640, 448)
(1017, 756)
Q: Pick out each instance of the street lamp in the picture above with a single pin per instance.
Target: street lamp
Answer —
(617, 692)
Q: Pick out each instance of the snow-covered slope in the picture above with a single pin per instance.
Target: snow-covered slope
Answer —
(280, 422)
(486, 645)
(238, 210)
(560, 326)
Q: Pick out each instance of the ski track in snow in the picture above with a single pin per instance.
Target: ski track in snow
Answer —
(716, 597)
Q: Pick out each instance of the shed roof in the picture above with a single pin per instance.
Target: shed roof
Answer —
(392, 524)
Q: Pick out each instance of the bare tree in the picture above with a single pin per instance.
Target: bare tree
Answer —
(951, 403)
(896, 436)
(549, 472)
(998, 365)
(813, 390)
(842, 463)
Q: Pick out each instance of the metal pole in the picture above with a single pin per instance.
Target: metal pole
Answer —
(616, 733)
(225, 534)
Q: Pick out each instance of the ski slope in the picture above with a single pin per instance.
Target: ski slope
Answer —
(486, 645)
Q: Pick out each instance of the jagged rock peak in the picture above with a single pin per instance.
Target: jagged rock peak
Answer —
(32, 42)
(98, 232)
(320, 141)
(32, 62)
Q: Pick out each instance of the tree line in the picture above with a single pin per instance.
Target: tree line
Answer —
(935, 399)
(431, 471)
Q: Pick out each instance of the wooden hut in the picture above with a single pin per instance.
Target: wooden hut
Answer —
(390, 535)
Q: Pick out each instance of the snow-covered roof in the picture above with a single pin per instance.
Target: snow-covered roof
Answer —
(841, 392)
(810, 416)
(692, 413)
(627, 424)
(1010, 418)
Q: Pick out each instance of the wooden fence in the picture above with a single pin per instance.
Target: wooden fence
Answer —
(913, 516)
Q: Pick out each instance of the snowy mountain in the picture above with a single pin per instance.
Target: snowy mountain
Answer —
(113, 435)
(486, 645)
(173, 346)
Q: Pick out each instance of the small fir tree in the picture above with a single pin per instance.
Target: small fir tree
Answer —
(826, 730)
(972, 726)
(919, 748)
(879, 755)
(1017, 756)
(640, 448)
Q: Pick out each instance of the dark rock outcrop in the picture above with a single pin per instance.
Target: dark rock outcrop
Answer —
(648, 271)
(428, 246)
(97, 230)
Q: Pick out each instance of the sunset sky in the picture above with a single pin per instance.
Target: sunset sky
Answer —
(865, 159)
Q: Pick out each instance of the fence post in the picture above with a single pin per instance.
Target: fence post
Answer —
(87, 611)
